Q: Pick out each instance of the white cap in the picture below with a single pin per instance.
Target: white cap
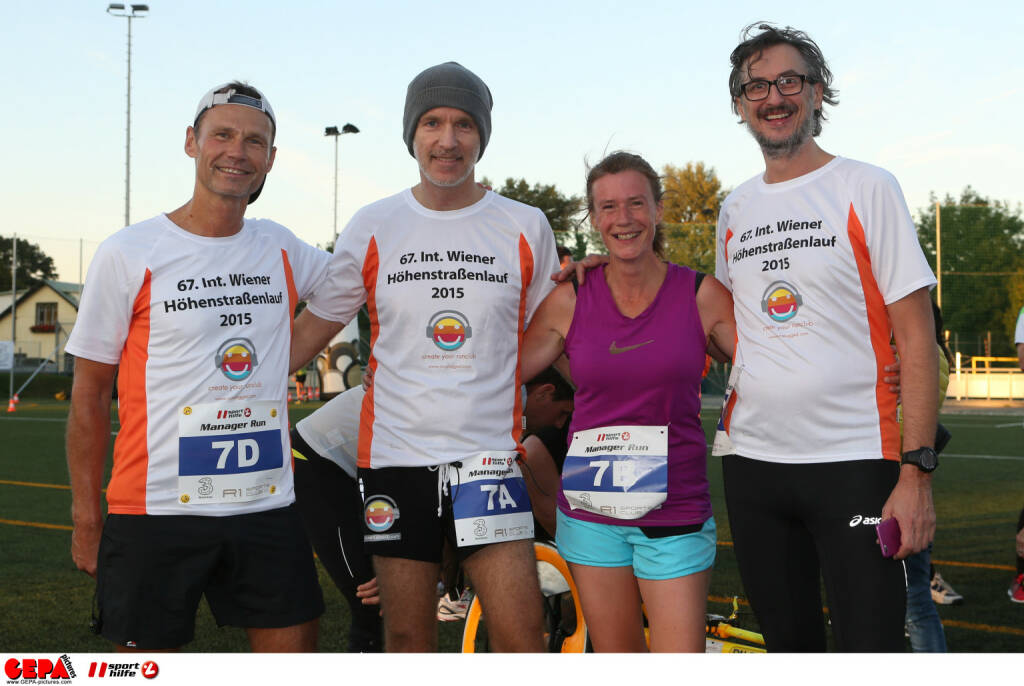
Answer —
(230, 96)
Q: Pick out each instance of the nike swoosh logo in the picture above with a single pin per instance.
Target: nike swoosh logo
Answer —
(616, 350)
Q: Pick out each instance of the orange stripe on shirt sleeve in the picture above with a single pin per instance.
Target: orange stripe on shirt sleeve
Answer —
(126, 492)
(525, 278)
(881, 332)
(371, 265)
(293, 302)
(289, 279)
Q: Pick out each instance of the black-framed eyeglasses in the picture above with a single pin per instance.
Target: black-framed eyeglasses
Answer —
(787, 84)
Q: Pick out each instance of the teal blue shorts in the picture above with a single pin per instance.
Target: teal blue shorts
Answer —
(610, 545)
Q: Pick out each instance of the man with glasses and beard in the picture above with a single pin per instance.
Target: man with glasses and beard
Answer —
(825, 269)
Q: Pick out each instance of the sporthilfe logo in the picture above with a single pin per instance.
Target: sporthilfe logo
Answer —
(449, 330)
(236, 358)
(99, 670)
(380, 513)
(781, 301)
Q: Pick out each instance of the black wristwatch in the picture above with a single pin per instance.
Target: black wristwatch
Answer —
(924, 459)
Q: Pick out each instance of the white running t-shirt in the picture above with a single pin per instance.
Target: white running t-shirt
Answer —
(449, 295)
(201, 329)
(812, 264)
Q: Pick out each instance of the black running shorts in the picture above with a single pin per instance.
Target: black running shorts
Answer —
(406, 515)
(256, 571)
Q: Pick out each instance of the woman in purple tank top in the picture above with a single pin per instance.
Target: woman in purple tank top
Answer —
(634, 514)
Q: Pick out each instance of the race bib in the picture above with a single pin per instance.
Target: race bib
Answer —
(489, 500)
(229, 452)
(617, 471)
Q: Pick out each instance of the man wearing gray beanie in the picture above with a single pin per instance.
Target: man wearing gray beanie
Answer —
(448, 85)
(451, 273)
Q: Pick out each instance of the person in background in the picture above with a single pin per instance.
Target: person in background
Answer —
(564, 256)
(1016, 590)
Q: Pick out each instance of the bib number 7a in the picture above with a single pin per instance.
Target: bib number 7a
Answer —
(489, 500)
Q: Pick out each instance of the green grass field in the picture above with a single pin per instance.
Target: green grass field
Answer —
(45, 603)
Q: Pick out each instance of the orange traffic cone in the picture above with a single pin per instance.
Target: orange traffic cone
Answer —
(289, 396)
(316, 393)
(10, 405)
(16, 399)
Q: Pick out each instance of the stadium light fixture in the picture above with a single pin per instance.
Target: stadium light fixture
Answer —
(128, 12)
(335, 133)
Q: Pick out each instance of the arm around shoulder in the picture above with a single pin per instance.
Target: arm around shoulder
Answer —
(714, 303)
(310, 334)
(544, 340)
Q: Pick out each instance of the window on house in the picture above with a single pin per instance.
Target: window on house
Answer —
(46, 313)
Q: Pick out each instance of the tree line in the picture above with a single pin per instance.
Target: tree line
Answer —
(982, 247)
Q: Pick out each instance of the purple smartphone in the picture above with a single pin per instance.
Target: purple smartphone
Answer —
(889, 537)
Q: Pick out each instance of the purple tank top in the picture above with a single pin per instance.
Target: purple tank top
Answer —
(644, 371)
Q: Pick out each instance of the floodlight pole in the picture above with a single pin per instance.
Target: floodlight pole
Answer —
(14, 309)
(333, 131)
(128, 12)
(938, 255)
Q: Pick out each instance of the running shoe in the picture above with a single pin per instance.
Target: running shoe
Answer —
(449, 610)
(943, 593)
(1016, 590)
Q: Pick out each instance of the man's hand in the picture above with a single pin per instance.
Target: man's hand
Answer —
(88, 437)
(893, 371)
(367, 378)
(578, 268)
(911, 504)
(368, 592)
(85, 545)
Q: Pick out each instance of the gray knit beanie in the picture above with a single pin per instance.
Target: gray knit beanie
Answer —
(448, 85)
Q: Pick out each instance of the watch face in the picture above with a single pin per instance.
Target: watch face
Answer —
(929, 460)
(925, 458)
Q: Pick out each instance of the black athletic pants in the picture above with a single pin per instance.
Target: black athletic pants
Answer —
(332, 509)
(793, 524)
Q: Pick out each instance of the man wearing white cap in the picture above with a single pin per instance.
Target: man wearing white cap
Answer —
(450, 273)
(192, 310)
